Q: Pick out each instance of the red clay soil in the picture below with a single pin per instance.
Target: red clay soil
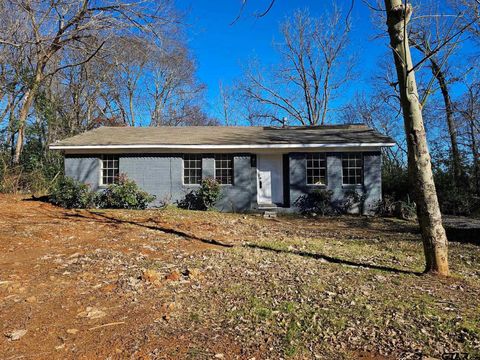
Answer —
(61, 274)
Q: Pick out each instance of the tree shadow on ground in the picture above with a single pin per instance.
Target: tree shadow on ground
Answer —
(456, 232)
(370, 225)
(333, 260)
(158, 227)
(458, 229)
(42, 198)
(387, 225)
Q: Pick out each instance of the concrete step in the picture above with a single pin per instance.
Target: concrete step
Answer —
(269, 214)
(267, 206)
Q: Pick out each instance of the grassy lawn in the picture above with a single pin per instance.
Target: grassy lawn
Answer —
(342, 294)
(182, 284)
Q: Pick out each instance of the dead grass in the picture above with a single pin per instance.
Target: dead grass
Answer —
(169, 284)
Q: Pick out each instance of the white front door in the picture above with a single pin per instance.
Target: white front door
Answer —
(269, 178)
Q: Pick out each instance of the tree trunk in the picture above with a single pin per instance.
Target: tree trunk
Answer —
(476, 157)
(22, 117)
(326, 98)
(452, 128)
(131, 107)
(419, 165)
(13, 131)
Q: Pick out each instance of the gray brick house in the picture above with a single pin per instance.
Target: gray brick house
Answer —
(258, 167)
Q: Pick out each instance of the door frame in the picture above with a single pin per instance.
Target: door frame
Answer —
(277, 182)
(286, 180)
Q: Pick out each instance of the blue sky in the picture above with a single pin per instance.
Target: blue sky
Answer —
(222, 49)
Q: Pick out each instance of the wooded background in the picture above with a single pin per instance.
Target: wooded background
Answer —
(70, 66)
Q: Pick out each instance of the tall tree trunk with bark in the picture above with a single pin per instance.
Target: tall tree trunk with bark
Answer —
(476, 157)
(419, 164)
(30, 94)
(13, 131)
(22, 119)
(452, 128)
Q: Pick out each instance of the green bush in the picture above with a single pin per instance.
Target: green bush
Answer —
(204, 198)
(72, 194)
(209, 193)
(123, 195)
(318, 202)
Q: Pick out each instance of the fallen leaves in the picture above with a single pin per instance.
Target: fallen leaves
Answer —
(306, 291)
(16, 334)
(167, 309)
(173, 276)
(92, 313)
(151, 276)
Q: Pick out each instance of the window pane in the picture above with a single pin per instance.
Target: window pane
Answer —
(110, 169)
(224, 168)
(316, 168)
(352, 165)
(192, 168)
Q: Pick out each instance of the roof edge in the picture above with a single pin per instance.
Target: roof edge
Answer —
(220, 147)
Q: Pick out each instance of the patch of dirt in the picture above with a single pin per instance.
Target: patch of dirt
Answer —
(67, 269)
(175, 284)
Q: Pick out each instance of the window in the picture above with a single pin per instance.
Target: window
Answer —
(316, 169)
(109, 169)
(224, 169)
(192, 169)
(352, 164)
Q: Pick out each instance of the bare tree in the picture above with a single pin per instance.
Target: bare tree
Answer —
(226, 110)
(428, 33)
(192, 115)
(313, 68)
(470, 10)
(127, 63)
(173, 89)
(45, 29)
(80, 91)
(379, 111)
(469, 109)
(419, 165)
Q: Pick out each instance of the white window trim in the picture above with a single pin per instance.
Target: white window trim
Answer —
(183, 170)
(362, 168)
(326, 171)
(100, 159)
(215, 170)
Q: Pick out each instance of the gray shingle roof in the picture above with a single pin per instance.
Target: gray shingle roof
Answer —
(227, 135)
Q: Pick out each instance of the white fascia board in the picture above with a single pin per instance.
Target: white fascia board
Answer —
(216, 147)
